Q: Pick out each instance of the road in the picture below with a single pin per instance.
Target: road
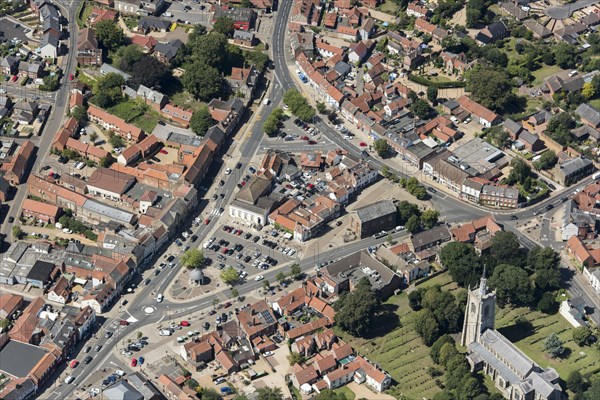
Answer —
(54, 121)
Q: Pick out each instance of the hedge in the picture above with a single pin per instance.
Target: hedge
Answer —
(440, 85)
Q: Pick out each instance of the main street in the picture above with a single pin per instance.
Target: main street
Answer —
(61, 99)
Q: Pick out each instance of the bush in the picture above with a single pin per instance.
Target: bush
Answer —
(440, 85)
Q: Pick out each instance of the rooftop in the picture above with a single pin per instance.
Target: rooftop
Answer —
(23, 357)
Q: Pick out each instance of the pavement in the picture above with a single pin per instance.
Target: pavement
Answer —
(566, 10)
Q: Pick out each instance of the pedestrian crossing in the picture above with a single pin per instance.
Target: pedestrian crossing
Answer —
(215, 213)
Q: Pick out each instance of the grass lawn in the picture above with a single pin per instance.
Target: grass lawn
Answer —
(583, 359)
(184, 99)
(544, 73)
(389, 7)
(595, 103)
(84, 14)
(136, 113)
(399, 349)
(348, 394)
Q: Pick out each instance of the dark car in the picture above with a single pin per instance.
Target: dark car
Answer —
(247, 236)
(255, 239)
(147, 281)
(88, 360)
(247, 259)
(551, 186)
(212, 312)
(108, 334)
(11, 219)
(46, 168)
(221, 182)
(156, 272)
(171, 258)
(206, 325)
(98, 347)
(194, 238)
(178, 242)
(87, 349)
(513, 217)
(431, 190)
(549, 207)
(238, 165)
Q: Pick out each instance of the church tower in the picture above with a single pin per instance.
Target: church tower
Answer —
(479, 314)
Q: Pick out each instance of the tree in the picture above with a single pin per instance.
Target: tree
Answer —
(588, 91)
(321, 107)
(429, 218)
(505, 246)
(148, 71)
(511, 283)
(559, 128)
(296, 358)
(115, 140)
(583, 336)
(434, 352)
(426, 326)
(547, 160)
(432, 94)
(210, 394)
(215, 302)
(554, 345)
(201, 121)
(566, 55)
(298, 105)
(421, 109)
(224, 26)
(547, 279)
(575, 382)
(381, 146)
(4, 324)
(193, 258)
(108, 90)
(50, 83)
(490, 87)
(210, 49)
(266, 284)
(128, 56)
(295, 271)
(202, 81)
(229, 275)
(109, 34)
(547, 303)
(269, 393)
(17, 232)
(80, 114)
(234, 293)
(414, 300)
(593, 392)
(406, 210)
(355, 311)
(413, 225)
(499, 136)
(280, 277)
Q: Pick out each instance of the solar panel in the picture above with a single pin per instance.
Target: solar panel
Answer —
(267, 316)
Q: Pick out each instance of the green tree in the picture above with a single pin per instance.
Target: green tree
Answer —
(566, 55)
(505, 246)
(193, 258)
(295, 271)
(295, 358)
(356, 310)
(109, 34)
(554, 345)
(80, 115)
(434, 352)
(298, 105)
(575, 382)
(108, 90)
(421, 109)
(432, 94)
(115, 140)
(499, 136)
(224, 26)
(547, 160)
(229, 275)
(512, 284)
(414, 300)
(321, 107)
(559, 128)
(329, 394)
(148, 71)
(583, 336)
(547, 303)
(429, 218)
(234, 293)
(280, 277)
(269, 393)
(593, 392)
(490, 87)
(202, 81)
(381, 146)
(50, 83)
(406, 210)
(128, 56)
(413, 225)
(201, 120)
(427, 326)
(266, 284)
(210, 50)
(4, 324)
(17, 232)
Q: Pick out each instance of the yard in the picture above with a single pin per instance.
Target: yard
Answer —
(83, 13)
(137, 114)
(184, 99)
(389, 7)
(348, 394)
(399, 350)
(544, 72)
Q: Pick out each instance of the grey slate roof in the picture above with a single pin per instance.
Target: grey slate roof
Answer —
(168, 49)
(122, 391)
(575, 165)
(375, 210)
(589, 113)
(528, 137)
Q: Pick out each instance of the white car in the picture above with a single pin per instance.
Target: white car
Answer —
(227, 171)
(347, 137)
(159, 298)
(259, 278)
(268, 353)
(120, 372)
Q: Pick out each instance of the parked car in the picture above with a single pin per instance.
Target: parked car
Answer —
(133, 362)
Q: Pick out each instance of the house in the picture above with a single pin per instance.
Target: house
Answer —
(257, 320)
(252, 203)
(374, 218)
(243, 18)
(573, 310)
(147, 43)
(9, 65)
(109, 183)
(49, 45)
(109, 69)
(480, 113)
(478, 232)
(589, 115)
(47, 213)
(417, 10)
(430, 238)
(139, 7)
(115, 124)
(102, 14)
(492, 33)
(357, 52)
(153, 98)
(15, 170)
(166, 51)
(573, 170)
(515, 10)
(60, 292)
(153, 24)
(592, 275)
(243, 81)
(499, 196)
(455, 63)
(367, 29)
(578, 250)
(9, 304)
(177, 114)
(539, 31)
(88, 52)
(243, 38)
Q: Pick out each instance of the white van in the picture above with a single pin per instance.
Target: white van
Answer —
(266, 101)
(69, 379)
(165, 332)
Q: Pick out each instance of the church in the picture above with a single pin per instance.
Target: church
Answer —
(515, 375)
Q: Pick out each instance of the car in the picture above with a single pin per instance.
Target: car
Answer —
(97, 347)
(87, 349)
(193, 238)
(123, 322)
(221, 182)
(212, 312)
(243, 183)
(74, 364)
(549, 207)
(108, 334)
(227, 304)
(159, 298)
(259, 278)
(88, 360)
(206, 326)
(206, 221)
(256, 239)
(46, 168)
(219, 380)
(551, 186)
(184, 323)
(178, 242)
(133, 362)
(247, 258)
(120, 372)
(513, 217)
(268, 353)
(431, 190)
(312, 142)
(156, 272)
(226, 390)
(222, 195)
(11, 219)
(238, 165)
(252, 170)
(71, 77)
(304, 138)
(163, 151)
(140, 360)
(227, 171)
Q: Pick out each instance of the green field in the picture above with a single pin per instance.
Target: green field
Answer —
(389, 7)
(348, 394)
(136, 113)
(399, 350)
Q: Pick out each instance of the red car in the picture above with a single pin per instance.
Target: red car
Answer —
(206, 221)
(362, 144)
(239, 232)
(71, 77)
(123, 322)
(163, 151)
(228, 304)
(304, 138)
(243, 183)
(224, 250)
(184, 323)
(133, 362)
(73, 363)
(312, 142)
